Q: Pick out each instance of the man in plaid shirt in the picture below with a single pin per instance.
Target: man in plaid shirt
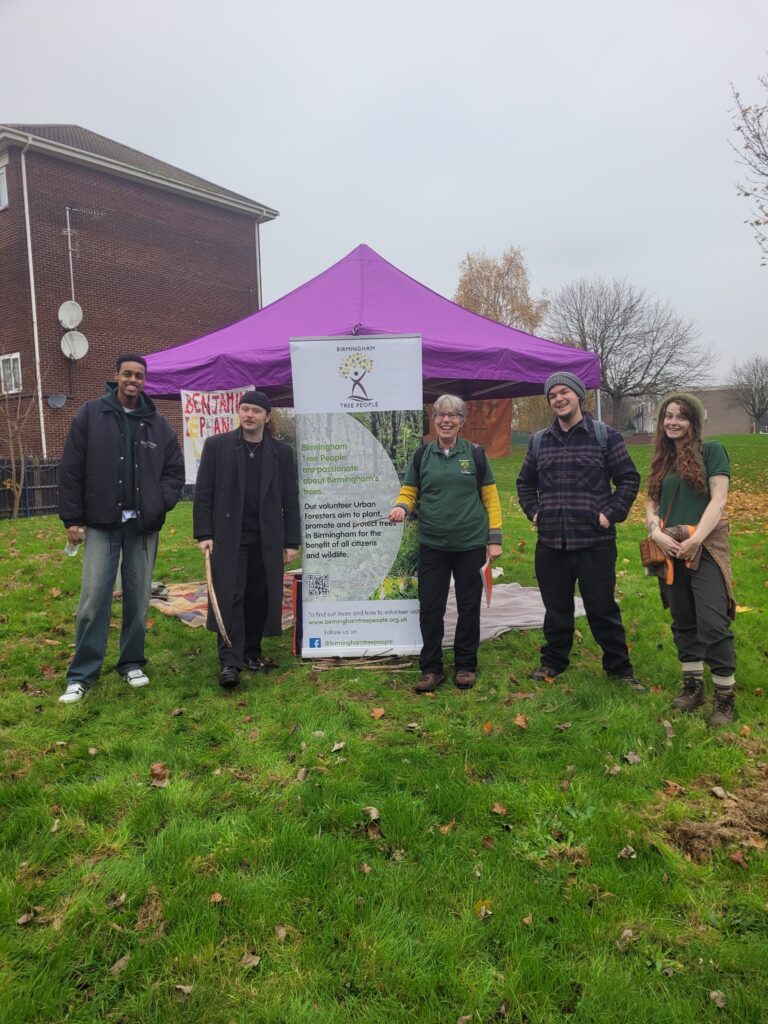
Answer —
(565, 490)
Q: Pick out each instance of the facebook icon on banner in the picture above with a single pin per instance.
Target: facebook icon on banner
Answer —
(315, 641)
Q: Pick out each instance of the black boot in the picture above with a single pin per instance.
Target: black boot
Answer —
(722, 706)
(692, 694)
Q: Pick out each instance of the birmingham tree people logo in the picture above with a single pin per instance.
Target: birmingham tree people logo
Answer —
(354, 367)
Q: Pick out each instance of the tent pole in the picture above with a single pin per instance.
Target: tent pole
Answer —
(599, 407)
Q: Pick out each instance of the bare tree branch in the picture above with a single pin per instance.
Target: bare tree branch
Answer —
(646, 349)
(750, 122)
(749, 381)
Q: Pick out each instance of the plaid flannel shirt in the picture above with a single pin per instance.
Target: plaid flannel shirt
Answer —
(570, 485)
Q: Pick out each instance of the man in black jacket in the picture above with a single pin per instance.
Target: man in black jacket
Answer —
(246, 517)
(121, 472)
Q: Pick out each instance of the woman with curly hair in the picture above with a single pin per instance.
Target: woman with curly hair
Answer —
(687, 492)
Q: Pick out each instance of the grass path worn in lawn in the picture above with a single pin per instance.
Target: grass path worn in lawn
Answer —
(327, 846)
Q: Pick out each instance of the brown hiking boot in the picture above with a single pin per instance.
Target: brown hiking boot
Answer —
(429, 682)
(544, 672)
(722, 706)
(692, 694)
(465, 679)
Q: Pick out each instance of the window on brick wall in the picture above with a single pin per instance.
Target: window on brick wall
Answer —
(3, 189)
(10, 373)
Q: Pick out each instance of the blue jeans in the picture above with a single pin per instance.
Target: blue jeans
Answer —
(100, 561)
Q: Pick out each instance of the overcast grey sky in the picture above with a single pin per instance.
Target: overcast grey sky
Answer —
(594, 134)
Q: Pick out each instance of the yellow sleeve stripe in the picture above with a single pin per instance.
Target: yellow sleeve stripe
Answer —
(408, 495)
(492, 504)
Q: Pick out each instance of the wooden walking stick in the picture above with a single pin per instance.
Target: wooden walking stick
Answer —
(213, 599)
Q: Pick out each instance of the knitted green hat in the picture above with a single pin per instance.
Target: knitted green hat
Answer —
(694, 405)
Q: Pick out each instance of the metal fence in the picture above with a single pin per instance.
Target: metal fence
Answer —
(40, 493)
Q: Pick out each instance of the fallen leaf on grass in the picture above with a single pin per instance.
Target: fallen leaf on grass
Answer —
(55, 825)
(722, 794)
(498, 809)
(484, 909)
(33, 691)
(717, 998)
(502, 1011)
(281, 932)
(216, 897)
(160, 775)
(26, 918)
(672, 788)
(250, 960)
(365, 868)
(487, 727)
(562, 726)
(55, 592)
(745, 731)
(412, 727)
(178, 711)
(115, 902)
(612, 769)
(185, 990)
(377, 713)
(253, 735)
(668, 728)
(465, 1019)
(372, 830)
(624, 939)
(627, 853)
(48, 672)
(301, 775)
(337, 747)
(51, 643)
(119, 965)
(448, 827)
(93, 751)
(528, 920)
(488, 842)
(150, 912)
(739, 858)
(372, 812)
(632, 758)
(521, 721)
(318, 733)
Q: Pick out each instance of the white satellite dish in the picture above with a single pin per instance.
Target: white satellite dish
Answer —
(70, 314)
(74, 345)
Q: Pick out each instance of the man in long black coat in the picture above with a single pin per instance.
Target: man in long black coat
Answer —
(246, 514)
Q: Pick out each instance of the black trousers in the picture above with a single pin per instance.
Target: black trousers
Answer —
(435, 569)
(249, 606)
(701, 627)
(594, 569)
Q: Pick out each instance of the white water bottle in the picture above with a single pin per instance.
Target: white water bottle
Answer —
(71, 549)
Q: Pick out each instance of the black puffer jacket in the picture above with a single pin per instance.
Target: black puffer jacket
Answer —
(92, 467)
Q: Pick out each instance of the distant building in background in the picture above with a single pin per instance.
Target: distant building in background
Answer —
(154, 255)
(720, 416)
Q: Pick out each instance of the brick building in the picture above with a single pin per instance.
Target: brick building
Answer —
(153, 255)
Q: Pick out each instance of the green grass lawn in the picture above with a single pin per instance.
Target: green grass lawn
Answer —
(496, 882)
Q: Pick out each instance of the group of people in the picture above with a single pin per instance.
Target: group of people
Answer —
(122, 471)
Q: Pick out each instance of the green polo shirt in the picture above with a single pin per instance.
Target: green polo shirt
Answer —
(452, 516)
(687, 507)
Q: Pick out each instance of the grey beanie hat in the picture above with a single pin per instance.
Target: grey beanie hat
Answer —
(569, 380)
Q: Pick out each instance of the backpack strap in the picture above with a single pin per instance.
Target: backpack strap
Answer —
(601, 433)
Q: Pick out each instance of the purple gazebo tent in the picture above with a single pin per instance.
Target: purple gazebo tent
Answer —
(462, 352)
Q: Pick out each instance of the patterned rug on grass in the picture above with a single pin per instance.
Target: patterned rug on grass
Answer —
(189, 602)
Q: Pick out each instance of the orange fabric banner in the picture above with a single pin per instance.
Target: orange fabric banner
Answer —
(489, 423)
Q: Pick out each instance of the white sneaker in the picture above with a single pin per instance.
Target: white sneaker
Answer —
(136, 677)
(73, 693)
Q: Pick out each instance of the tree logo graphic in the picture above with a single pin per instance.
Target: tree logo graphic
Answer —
(353, 368)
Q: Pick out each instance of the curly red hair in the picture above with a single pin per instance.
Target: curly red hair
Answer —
(683, 457)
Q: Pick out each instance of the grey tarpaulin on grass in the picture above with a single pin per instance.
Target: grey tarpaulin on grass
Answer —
(512, 607)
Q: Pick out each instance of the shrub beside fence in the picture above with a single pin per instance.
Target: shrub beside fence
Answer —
(40, 493)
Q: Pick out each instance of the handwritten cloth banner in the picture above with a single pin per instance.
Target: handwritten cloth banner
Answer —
(206, 413)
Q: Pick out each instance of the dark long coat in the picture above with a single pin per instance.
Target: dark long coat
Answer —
(218, 514)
